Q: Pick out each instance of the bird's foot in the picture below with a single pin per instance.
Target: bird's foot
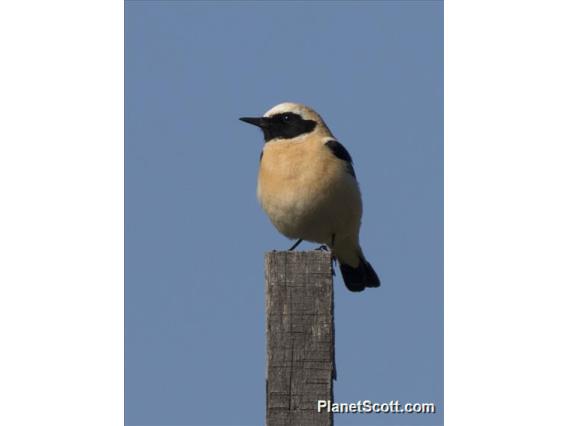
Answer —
(323, 248)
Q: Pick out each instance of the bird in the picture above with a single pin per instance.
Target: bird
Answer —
(308, 188)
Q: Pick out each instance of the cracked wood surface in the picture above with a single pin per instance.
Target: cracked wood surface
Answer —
(300, 337)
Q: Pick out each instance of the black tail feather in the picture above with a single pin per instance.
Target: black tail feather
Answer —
(357, 279)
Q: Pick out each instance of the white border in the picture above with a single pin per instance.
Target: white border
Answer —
(61, 214)
(506, 180)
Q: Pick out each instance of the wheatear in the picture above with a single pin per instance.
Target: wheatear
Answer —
(308, 189)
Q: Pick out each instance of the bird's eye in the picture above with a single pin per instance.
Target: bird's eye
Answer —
(286, 117)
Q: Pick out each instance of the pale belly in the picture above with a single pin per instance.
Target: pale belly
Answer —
(313, 201)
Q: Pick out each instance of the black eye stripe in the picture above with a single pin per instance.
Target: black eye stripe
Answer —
(287, 125)
(287, 116)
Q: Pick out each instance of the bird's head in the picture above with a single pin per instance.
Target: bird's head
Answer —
(288, 121)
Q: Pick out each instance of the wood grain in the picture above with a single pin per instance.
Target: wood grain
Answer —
(300, 337)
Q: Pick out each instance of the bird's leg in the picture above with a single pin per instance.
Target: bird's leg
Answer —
(325, 247)
(296, 244)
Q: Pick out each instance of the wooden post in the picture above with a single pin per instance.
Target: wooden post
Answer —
(300, 337)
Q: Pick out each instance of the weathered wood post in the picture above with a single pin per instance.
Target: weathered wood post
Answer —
(300, 337)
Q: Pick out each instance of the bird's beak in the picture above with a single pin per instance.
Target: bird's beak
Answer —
(255, 121)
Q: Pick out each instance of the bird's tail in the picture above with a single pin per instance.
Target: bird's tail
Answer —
(360, 277)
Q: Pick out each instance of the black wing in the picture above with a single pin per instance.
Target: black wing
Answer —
(340, 152)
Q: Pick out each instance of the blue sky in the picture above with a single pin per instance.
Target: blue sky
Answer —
(195, 235)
